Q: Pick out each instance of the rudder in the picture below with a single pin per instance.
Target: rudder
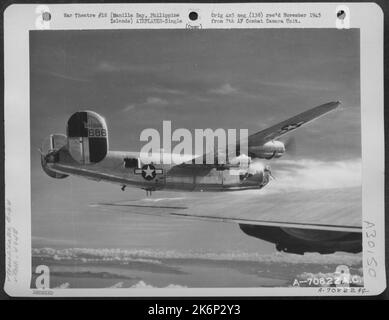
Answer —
(87, 134)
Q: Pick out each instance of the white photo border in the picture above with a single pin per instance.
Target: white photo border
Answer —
(19, 19)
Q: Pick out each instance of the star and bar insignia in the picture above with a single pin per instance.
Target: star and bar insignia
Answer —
(148, 172)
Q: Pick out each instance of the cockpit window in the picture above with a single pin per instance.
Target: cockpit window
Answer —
(130, 163)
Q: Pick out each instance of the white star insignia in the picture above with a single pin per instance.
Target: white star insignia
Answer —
(148, 172)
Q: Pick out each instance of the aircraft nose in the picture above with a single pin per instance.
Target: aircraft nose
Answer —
(257, 177)
(265, 175)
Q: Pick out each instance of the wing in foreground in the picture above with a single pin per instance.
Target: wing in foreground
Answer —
(321, 221)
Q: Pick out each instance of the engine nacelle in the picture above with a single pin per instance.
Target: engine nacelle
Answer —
(87, 134)
(269, 150)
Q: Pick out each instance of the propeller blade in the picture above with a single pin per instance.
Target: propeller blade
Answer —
(291, 146)
(268, 171)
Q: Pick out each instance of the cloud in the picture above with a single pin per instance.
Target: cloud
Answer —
(65, 285)
(63, 76)
(148, 102)
(241, 93)
(301, 85)
(90, 274)
(105, 66)
(167, 90)
(225, 89)
(308, 174)
(117, 285)
(129, 107)
(155, 256)
(112, 67)
(317, 258)
(141, 284)
(175, 286)
(155, 101)
(86, 255)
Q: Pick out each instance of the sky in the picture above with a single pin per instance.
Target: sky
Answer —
(243, 79)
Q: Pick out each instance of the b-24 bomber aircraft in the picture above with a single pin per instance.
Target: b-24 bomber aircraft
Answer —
(330, 222)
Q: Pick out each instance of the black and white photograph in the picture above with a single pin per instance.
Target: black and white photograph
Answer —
(196, 158)
(294, 200)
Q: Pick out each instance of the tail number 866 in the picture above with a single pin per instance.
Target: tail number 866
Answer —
(97, 132)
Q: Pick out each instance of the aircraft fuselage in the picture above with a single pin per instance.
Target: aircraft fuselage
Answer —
(126, 169)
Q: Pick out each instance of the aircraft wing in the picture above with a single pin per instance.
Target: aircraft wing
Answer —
(274, 132)
(290, 124)
(330, 209)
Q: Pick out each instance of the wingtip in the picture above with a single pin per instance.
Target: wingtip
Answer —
(339, 105)
(335, 104)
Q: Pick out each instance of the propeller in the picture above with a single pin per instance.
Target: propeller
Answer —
(291, 146)
(268, 171)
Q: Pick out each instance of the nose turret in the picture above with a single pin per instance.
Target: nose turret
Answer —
(256, 177)
(266, 176)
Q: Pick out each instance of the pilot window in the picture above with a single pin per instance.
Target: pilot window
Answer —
(130, 163)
